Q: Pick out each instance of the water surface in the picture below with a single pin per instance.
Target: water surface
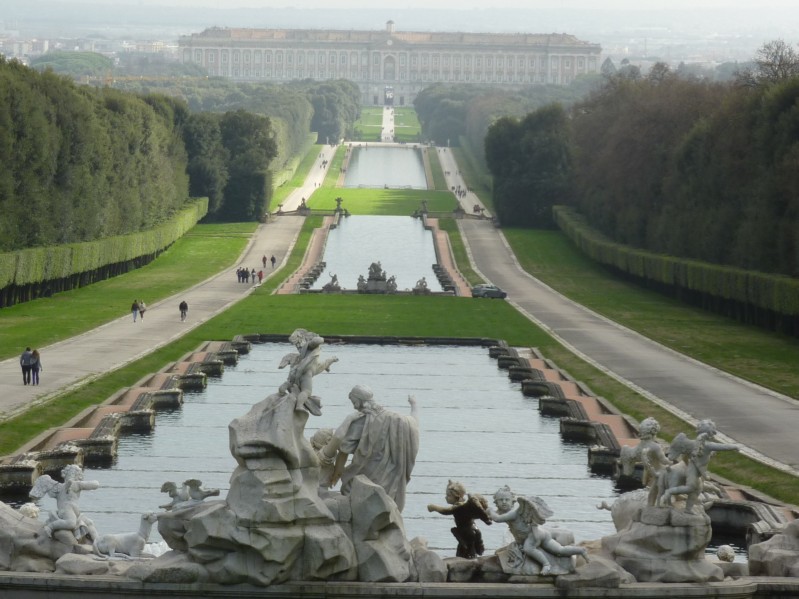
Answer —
(475, 427)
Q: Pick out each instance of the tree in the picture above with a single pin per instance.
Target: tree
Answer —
(774, 61)
(531, 161)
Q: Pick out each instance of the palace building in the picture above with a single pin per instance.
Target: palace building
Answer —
(390, 66)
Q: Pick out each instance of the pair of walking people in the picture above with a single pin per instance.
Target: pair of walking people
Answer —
(31, 363)
(138, 308)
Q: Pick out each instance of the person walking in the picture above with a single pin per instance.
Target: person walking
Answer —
(184, 310)
(142, 308)
(263, 260)
(273, 260)
(260, 276)
(252, 274)
(25, 363)
(36, 366)
(135, 310)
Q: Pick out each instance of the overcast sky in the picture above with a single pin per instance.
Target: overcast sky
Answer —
(726, 5)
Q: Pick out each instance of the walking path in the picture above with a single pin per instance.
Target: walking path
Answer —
(760, 419)
(76, 360)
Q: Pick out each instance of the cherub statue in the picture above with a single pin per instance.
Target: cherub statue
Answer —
(524, 522)
(649, 453)
(688, 476)
(465, 509)
(304, 366)
(67, 494)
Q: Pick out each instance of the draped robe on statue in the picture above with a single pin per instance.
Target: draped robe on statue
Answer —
(383, 446)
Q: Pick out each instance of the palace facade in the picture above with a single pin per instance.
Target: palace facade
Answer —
(390, 66)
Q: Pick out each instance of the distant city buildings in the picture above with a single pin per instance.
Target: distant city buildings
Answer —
(391, 66)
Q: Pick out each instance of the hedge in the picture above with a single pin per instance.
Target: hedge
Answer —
(775, 293)
(41, 264)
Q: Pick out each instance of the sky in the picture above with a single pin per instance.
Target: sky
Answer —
(726, 5)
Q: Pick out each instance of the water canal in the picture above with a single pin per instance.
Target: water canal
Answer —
(400, 243)
(393, 166)
(476, 427)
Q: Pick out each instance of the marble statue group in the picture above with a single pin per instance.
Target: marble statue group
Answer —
(328, 507)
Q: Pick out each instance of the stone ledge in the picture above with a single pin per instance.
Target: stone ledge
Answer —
(45, 586)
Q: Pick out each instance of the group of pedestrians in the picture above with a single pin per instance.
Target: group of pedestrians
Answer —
(31, 363)
(245, 275)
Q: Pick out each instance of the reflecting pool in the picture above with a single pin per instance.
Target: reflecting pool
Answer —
(400, 243)
(476, 427)
(376, 166)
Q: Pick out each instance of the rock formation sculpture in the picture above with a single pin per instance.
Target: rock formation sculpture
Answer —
(274, 526)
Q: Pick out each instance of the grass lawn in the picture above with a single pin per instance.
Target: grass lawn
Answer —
(201, 253)
(382, 201)
(369, 125)
(439, 182)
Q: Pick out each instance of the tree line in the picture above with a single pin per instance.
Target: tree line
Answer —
(85, 162)
(702, 170)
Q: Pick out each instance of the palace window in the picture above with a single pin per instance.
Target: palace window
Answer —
(567, 64)
(279, 58)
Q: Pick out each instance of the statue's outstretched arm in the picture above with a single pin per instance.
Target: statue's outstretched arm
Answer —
(414, 408)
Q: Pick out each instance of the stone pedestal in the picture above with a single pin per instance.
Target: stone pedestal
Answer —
(663, 544)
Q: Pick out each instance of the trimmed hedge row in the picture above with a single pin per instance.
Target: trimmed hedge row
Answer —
(774, 293)
(41, 264)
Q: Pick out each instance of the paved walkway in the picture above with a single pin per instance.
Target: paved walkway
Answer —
(762, 420)
(119, 342)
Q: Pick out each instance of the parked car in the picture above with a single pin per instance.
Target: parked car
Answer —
(488, 291)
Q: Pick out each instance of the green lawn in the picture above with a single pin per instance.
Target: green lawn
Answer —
(369, 125)
(382, 201)
(201, 253)
(406, 125)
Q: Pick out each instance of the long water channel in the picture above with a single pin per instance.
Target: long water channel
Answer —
(475, 426)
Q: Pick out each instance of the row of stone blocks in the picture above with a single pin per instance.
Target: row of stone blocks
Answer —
(444, 278)
(310, 277)
(91, 438)
(584, 417)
